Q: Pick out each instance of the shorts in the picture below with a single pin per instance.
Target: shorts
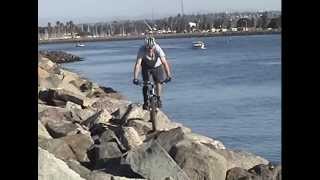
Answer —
(157, 74)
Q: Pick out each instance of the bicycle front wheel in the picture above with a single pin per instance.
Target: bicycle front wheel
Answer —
(153, 112)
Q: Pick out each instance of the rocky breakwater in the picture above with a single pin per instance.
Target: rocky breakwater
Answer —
(86, 131)
(60, 56)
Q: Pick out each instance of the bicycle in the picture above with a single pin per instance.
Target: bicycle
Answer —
(152, 100)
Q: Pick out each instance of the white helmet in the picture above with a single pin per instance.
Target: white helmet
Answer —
(150, 42)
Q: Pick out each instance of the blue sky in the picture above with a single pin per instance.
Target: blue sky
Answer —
(105, 10)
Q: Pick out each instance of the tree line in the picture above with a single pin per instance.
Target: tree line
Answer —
(172, 24)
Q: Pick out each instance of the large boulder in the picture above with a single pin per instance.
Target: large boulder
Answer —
(106, 149)
(241, 159)
(199, 161)
(78, 168)
(237, 173)
(152, 162)
(42, 131)
(215, 144)
(142, 127)
(259, 172)
(163, 123)
(58, 147)
(130, 138)
(52, 95)
(79, 144)
(101, 117)
(99, 175)
(110, 104)
(61, 128)
(267, 172)
(47, 65)
(54, 114)
(52, 168)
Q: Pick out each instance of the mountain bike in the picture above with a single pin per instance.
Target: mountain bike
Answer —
(152, 101)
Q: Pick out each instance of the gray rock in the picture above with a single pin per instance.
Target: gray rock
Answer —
(71, 106)
(79, 144)
(142, 127)
(267, 172)
(259, 172)
(215, 144)
(78, 168)
(62, 95)
(237, 173)
(42, 131)
(199, 161)
(167, 139)
(61, 128)
(105, 154)
(241, 159)
(152, 162)
(54, 114)
(58, 147)
(98, 175)
(51, 168)
(130, 138)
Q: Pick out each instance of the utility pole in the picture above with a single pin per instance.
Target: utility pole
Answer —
(182, 10)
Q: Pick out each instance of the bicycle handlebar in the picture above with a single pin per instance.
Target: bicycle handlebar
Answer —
(140, 83)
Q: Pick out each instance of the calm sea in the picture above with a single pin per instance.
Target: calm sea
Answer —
(230, 91)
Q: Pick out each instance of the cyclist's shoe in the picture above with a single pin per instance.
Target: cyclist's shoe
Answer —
(159, 102)
(145, 106)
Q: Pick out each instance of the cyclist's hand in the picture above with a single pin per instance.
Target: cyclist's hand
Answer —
(136, 81)
(168, 79)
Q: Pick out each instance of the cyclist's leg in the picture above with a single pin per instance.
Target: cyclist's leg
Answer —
(158, 77)
(145, 77)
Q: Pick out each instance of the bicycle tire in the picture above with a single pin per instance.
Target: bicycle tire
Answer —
(153, 112)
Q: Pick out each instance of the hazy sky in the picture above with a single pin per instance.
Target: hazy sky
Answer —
(99, 10)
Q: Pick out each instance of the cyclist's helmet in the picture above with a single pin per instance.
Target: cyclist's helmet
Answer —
(150, 42)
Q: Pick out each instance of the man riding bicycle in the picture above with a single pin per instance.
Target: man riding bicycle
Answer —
(152, 61)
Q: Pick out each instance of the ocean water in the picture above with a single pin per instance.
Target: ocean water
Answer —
(230, 91)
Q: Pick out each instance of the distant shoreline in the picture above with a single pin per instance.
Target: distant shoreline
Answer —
(161, 36)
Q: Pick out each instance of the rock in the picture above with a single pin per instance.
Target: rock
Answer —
(78, 168)
(62, 95)
(79, 144)
(215, 144)
(47, 65)
(130, 138)
(58, 147)
(241, 159)
(142, 127)
(167, 139)
(152, 162)
(267, 172)
(42, 131)
(72, 106)
(98, 175)
(163, 123)
(60, 56)
(54, 114)
(199, 161)
(101, 117)
(109, 104)
(61, 128)
(237, 173)
(81, 115)
(259, 172)
(51, 168)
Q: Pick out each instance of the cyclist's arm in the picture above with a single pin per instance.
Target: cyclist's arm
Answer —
(166, 66)
(137, 68)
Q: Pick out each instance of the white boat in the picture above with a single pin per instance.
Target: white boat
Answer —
(80, 45)
(198, 44)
